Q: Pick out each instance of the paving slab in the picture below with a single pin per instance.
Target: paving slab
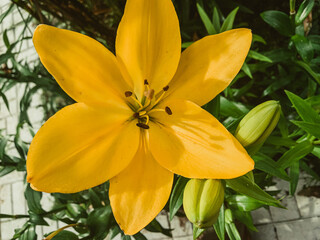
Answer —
(261, 216)
(302, 229)
(265, 232)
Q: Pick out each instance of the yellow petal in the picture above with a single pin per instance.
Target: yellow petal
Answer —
(192, 143)
(84, 68)
(139, 192)
(79, 148)
(208, 66)
(148, 42)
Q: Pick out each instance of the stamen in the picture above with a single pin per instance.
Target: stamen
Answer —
(159, 98)
(149, 93)
(142, 125)
(147, 118)
(156, 110)
(136, 115)
(128, 94)
(168, 110)
(141, 113)
(166, 88)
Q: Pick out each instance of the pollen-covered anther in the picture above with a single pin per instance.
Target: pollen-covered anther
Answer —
(168, 110)
(142, 125)
(149, 93)
(166, 88)
(128, 93)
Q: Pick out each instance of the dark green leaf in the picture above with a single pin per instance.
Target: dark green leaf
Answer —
(155, 226)
(294, 154)
(259, 56)
(206, 20)
(294, 177)
(303, 46)
(177, 196)
(125, 237)
(94, 198)
(311, 128)
(76, 211)
(139, 236)
(232, 109)
(37, 219)
(308, 69)
(99, 221)
(279, 21)
(245, 186)
(5, 100)
(219, 226)
(186, 44)
(244, 203)
(245, 68)
(65, 235)
(33, 200)
(4, 170)
(216, 20)
(266, 164)
(304, 109)
(228, 22)
(303, 11)
(29, 234)
(245, 218)
(258, 38)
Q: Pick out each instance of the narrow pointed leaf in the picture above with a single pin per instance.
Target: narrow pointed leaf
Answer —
(177, 196)
(228, 23)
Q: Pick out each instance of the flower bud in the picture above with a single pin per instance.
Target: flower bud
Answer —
(202, 200)
(258, 124)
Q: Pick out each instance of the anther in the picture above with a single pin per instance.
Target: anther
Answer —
(146, 82)
(166, 88)
(128, 94)
(142, 125)
(136, 115)
(168, 110)
(149, 93)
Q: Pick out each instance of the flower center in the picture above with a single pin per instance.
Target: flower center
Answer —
(147, 105)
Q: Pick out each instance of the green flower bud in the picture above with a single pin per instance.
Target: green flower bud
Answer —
(258, 124)
(202, 200)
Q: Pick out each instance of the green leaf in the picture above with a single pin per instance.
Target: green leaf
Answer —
(65, 235)
(308, 69)
(197, 232)
(155, 226)
(125, 237)
(5, 14)
(76, 211)
(258, 38)
(228, 23)
(244, 186)
(311, 128)
(303, 46)
(216, 20)
(213, 106)
(29, 234)
(139, 236)
(4, 170)
(294, 154)
(245, 68)
(259, 56)
(245, 218)
(303, 11)
(37, 219)
(304, 109)
(232, 109)
(219, 226)
(186, 44)
(33, 200)
(94, 198)
(315, 41)
(243, 203)
(5, 100)
(294, 177)
(232, 231)
(279, 21)
(206, 20)
(267, 165)
(177, 196)
(99, 221)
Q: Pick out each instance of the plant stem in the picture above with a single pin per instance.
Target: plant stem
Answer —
(292, 7)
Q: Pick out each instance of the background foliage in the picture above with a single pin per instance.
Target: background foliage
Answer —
(283, 64)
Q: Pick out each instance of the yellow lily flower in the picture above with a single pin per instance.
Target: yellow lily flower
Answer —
(137, 119)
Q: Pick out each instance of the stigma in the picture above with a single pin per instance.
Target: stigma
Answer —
(147, 105)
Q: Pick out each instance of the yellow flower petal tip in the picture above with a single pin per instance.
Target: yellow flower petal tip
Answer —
(138, 118)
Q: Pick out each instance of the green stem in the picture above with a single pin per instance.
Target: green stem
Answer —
(292, 7)
(13, 216)
(316, 142)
